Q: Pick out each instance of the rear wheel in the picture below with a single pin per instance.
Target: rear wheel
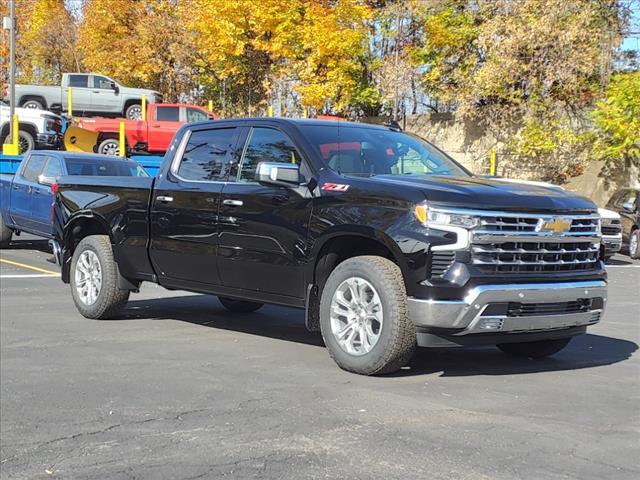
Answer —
(26, 141)
(110, 146)
(5, 234)
(240, 306)
(363, 316)
(540, 349)
(634, 244)
(94, 279)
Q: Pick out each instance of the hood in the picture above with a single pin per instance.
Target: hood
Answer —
(604, 213)
(140, 91)
(27, 113)
(492, 194)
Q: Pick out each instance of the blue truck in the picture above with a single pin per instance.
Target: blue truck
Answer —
(26, 198)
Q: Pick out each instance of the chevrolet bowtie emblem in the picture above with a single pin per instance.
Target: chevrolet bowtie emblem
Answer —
(555, 225)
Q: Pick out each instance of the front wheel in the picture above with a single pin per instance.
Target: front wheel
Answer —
(363, 316)
(94, 279)
(35, 104)
(240, 306)
(5, 234)
(539, 349)
(134, 112)
(634, 244)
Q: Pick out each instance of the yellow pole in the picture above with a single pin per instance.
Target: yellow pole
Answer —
(270, 111)
(122, 141)
(210, 106)
(144, 108)
(13, 148)
(305, 113)
(492, 162)
(69, 103)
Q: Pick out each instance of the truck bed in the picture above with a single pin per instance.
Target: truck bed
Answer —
(124, 201)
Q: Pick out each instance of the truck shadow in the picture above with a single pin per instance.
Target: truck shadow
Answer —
(584, 351)
(32, 243)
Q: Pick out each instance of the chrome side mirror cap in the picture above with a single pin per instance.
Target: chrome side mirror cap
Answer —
(280, 174)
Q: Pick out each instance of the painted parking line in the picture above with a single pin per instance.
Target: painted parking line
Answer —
(28, 267)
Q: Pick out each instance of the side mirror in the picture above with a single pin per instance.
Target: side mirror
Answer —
(281, 174)
(44, 180)
(114, 87)
(628, 207)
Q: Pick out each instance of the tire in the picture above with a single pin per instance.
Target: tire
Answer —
(378, 317)
(634, 244)
(134, 112)
(239, 306)
(31, 103)
(26, 141)
(539, 349)
(109, 300)
(5, 234)
(110, 146)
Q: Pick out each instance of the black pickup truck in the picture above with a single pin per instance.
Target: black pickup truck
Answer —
(383, 240)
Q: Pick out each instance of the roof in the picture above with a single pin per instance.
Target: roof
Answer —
(95, 156)
(294, 121)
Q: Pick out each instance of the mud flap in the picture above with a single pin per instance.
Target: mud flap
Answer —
(78, 139)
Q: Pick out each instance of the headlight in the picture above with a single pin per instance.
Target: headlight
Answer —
(434, 217)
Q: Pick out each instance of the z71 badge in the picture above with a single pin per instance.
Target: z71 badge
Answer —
(335, 187)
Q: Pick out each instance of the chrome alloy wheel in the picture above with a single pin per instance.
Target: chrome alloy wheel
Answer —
(88, 277)
(356, 316)
(633, 244)
(135, 112)
(110, 148)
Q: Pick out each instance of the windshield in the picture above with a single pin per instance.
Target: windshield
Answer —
(367, 151)
(104, 168)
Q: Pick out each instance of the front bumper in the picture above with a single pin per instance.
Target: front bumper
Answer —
(49, 140)
(512, 309)
(612, 243)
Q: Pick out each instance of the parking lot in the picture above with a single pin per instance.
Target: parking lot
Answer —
(180, 388)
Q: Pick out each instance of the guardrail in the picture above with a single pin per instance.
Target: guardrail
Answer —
(10, 163)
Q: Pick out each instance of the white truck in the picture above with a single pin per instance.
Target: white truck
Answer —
(36, 128)
(91, 94)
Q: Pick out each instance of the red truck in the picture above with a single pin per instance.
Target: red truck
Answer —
(152, 135)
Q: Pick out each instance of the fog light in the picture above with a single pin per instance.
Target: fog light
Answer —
(490, 324)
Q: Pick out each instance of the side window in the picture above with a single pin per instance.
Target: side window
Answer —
(33, 168)
(196, 115)
(207, 155)
(79, 81)
(53, 168)
(265, 145)
(168, 114)
(101, 82)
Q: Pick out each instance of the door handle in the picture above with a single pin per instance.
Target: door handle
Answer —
(233, 203)
(164, 198)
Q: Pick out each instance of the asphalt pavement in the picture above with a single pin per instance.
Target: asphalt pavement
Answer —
(180, 388)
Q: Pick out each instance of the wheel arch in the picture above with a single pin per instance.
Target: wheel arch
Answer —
(81, 225)
(24, 98)
(336, 247)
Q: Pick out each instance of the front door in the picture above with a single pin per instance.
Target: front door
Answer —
(263, 228)
(22, 190)
(43, 198)
(162, 127)
(103, 96)
(184, 211)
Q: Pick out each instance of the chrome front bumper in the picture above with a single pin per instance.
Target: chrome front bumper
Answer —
(471, 315)
(612, 243)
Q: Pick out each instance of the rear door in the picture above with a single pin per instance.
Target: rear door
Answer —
(80, 93)
(263, 228)
(184, 208)
(43, 198)
(103, 97)
(164, 124)
(22, 190)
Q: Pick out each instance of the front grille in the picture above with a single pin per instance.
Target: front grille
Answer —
(611, 230)
(516, 309)
(534, 256)
(440, 263)
(511, 224)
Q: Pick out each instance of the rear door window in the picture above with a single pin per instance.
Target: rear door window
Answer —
(34, 167)
(207, 155)
(79, 81)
